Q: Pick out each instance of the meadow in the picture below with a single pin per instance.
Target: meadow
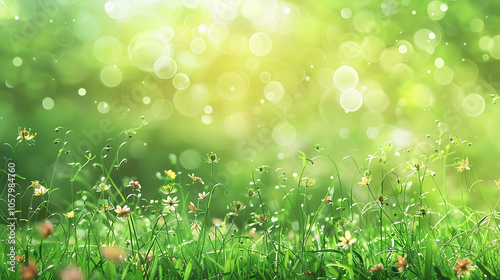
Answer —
(375, 220)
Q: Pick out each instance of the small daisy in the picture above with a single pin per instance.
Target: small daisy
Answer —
(171, 203)
(123, 213)
(346, 241)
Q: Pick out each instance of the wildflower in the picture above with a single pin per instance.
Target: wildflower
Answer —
(170, 173)
(262, 218)
(47, 229)
(307, 273)
(416, 165)
(195, 226)
(365, 181)
(250, 192)
(169, 188)
(327, 200)
(401, 263)
(422, 211)
(463, 165)
(25, 135)
(202, 196)
(71, 273)
(196, 179)
(192, 208)
(40, 191)
(106, 208)
(20, 259)
(236, 206)
(497, 182)
(70, 214)
(113, 253)
(212, 158)
(381, 198)
(135, 185)
(346, 240)
(377, 268)
(464, 266)
(307, 182)
(149, 256)
(30, 271)
(123, 213)
(171, 203)
(102, 187)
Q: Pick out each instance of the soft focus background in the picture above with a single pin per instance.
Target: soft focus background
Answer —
(252, 80)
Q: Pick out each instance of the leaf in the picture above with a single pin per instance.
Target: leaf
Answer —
(487, 271)
(153, 270)
(440, 275)
(109, 270)
(303, 157)
(428, 262)
(187, 273)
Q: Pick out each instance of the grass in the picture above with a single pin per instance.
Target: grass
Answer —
(389, 217)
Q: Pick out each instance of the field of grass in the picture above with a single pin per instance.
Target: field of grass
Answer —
(385, 217)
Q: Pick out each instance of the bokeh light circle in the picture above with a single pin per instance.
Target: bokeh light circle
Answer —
(107, 49)
(190, 159)
(64, 36)
(82, 92)
(260, 44)
(346, 13)
(473, 105)
(376, 100)
(145, 48)
(191, 102)
(103, 107)
(162, 109)
(351, 100)
(345, 77)
(117, 9)
(111, 76)
(284, 134)
(231, 86)
(48, 103)
(166, 33)
(181, 81)
(165, 67)
(265, 77)
(274, 91)
(198, 45)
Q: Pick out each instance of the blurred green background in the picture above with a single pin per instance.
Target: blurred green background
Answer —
(252, 80)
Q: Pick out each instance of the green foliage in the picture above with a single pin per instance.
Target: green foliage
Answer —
(114, 232)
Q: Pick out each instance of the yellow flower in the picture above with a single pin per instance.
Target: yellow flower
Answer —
(346, 241)
(170, 174)
(25, 135)
(365, 181)
(40, 191)
(70, 215)
(401, 265)
(464, 266)
(307, 182)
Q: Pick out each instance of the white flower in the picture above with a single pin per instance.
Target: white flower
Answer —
(346, 241)
(171, 203)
